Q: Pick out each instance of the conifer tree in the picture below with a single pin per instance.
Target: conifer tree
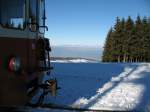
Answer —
(139, 41)
(128, 41)
(107, 53)
(117, 44)
(146, 39)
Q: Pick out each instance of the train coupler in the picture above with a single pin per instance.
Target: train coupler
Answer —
(50, 86)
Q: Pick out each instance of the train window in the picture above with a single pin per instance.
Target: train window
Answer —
(33, 15)
(12, 13)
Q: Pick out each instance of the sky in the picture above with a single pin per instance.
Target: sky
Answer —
(86, 22)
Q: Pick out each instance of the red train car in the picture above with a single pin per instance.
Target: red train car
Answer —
(24, 51)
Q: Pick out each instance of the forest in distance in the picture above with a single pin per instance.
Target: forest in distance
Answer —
(128, 41)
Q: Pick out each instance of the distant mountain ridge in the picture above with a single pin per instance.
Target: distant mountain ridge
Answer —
(73, 60)
(70, 58)
(77, 51)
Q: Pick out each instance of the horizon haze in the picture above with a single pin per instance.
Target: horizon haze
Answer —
(77, 51)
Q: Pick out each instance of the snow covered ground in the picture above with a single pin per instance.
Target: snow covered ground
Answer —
(106, 86)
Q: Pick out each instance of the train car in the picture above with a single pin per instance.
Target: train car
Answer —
(24, 50)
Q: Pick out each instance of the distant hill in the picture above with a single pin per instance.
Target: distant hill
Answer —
(72, 60)
(76, 51)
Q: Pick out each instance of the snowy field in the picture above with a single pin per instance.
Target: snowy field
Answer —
(102, 86)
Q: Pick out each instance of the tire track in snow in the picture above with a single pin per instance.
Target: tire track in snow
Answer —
(118, 94)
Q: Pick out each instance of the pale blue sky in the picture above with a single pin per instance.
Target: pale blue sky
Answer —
(86, 22)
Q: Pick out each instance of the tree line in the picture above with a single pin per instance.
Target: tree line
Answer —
(128, 41)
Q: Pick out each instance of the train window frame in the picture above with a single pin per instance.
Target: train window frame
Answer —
(23, 18)
(39, 11)
(30, 23)
(42, 20)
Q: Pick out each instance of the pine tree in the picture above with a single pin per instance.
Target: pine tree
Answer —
(117, 44)
(127, 40)
(107, 53)
(146, 39)
(139, 41)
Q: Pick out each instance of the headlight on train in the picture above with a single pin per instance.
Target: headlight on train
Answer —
(14, 64)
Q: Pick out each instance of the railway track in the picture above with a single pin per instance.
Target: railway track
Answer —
(52, 107)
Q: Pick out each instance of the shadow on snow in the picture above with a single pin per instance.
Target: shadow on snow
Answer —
(83, 80)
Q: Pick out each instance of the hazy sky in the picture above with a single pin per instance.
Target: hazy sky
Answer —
(86, 22)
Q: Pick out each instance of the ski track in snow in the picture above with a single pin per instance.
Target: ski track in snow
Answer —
(128, 90)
